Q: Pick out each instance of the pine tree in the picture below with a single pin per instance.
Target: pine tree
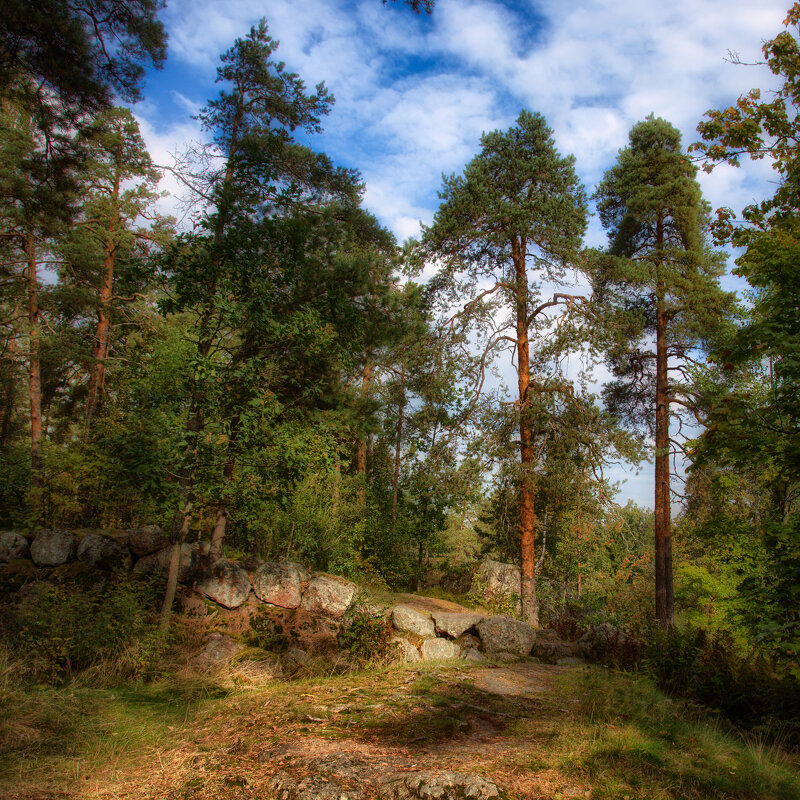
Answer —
(659, 282)
(514, 220)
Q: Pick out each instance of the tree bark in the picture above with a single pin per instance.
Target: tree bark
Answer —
(34, 371)
(102, 335)
(221, 523)
(361, 445)
(663, 522)
(399, 440)
(527, 515)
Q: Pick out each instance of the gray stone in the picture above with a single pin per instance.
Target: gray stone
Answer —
(13, 545)
(283, 786)
(432, 649)
(406, 653)
(146, 540)
(471, 654)
(601, 642)
(157, 563)
(219, 650)
(100, 552)
(468, 641)
(506, 635)
(52, 547)
(497, 582)
(225, 583)
(328, 595)
(409, 620)
(431, 785)
(279, 584)
(549, 647)
(455, 624)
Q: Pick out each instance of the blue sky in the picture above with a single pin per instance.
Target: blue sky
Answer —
(414, 93)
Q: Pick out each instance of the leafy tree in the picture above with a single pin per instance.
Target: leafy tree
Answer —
(659, 282)
(514, 220)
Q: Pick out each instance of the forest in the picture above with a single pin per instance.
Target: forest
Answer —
(276, 377)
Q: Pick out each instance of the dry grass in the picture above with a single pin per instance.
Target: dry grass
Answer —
(583, 733)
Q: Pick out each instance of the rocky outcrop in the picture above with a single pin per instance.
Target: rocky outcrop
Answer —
(437, 785)
(101, 552)
(226, 583)
(506, 635)
(13, 545)
(603, 642)
(549, 647)
(432, 649)
(409, 620)
(146, 540)
(50, 548)
(280, 584)
(454, 624)
(328, 595)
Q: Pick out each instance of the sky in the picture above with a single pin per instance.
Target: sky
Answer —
(414, 93)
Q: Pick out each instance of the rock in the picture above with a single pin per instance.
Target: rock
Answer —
(52, 547)
(455, 624)
(472, 654)
(602, 642)
(217, 653)
(506, 635)
(569, 661)
(260, 668)
(225, 583)
(409, 620)
(468, 641)
(294, 659)
(432, 649)
(279, 584)
(158, 563)
(406, 652)
(100, 552)
(192, 604)
(310, 787)
(13, 545)
(430, 785)
(146, 540)
(328, 595)
(496, 583)
(549, 647)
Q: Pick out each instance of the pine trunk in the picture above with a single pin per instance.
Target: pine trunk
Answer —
(663, 523)
(527, 515)
(34, 372)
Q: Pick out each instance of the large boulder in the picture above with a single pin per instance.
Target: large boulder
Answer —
(454, 623)
(604, 642)
(409, 620)
(50, 548)
(432, 649)
(279, 584)
(218, 651)
(549, 647)
(146, 540)
(498, 583)
(225, 583)
(404, 651)
(13, 545)
(157, 564)
(328, 595)
(101, 552)
(506, 635)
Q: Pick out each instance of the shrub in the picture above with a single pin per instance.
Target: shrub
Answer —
(366, 634)
(65, 629)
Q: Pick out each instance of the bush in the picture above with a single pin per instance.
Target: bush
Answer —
(61, 630)
(366, 635)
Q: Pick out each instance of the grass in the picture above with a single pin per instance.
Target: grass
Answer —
(593, 733)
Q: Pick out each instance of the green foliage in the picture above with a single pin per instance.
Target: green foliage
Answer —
(366, 634)
(64, 629)
(266, 632)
